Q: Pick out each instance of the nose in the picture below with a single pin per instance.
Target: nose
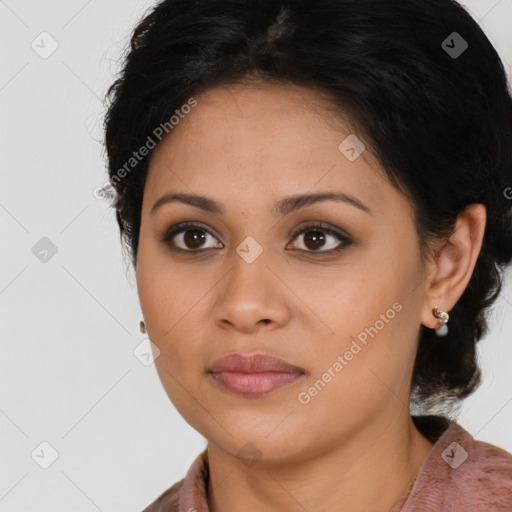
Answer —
(251, 297)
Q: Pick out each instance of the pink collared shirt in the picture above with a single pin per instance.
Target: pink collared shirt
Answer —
(459, 475)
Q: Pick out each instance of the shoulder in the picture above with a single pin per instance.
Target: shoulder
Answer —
(168, 501)
(485, 473)
(187, 494)
(463, 474)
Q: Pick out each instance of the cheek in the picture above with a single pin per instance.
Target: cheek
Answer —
(359, 375)
(162, 294)
(167, 305)
(368, 339)
(168, 300)
(343, 304)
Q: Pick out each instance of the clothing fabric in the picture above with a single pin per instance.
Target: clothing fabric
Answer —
(460, 474)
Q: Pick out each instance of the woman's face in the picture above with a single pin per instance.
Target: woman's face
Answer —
(243, 280)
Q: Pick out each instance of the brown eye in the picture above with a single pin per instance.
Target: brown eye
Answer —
(190, 238)
(193, 238)
(314, 239)
(318, 237)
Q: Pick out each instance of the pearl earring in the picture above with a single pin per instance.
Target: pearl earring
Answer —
(443, 318)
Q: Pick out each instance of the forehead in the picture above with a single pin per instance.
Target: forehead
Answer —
(266, 139)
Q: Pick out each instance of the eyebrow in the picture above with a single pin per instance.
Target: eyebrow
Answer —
(283, 207)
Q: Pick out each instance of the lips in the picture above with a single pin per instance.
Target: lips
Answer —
(253, 376)
(257, 363)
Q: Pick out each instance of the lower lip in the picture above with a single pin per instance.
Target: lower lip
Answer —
(254, 384)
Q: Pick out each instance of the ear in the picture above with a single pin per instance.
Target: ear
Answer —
(450, 271)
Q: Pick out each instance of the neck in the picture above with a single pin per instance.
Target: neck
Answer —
(369, 470)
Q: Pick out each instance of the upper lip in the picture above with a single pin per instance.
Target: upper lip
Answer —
(256, 363)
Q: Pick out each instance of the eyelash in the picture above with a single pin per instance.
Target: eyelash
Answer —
(181, 228)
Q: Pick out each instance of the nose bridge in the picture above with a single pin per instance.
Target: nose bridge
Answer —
(251, 293)
(249, 275)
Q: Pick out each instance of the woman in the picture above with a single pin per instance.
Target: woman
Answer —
(314, 197)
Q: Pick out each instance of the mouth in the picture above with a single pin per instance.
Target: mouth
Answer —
(253, 376)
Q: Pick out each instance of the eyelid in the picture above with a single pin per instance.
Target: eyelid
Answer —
(322, 226)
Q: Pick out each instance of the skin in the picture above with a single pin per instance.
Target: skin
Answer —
(353, 447)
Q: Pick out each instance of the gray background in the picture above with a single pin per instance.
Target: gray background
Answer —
(69, 325)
